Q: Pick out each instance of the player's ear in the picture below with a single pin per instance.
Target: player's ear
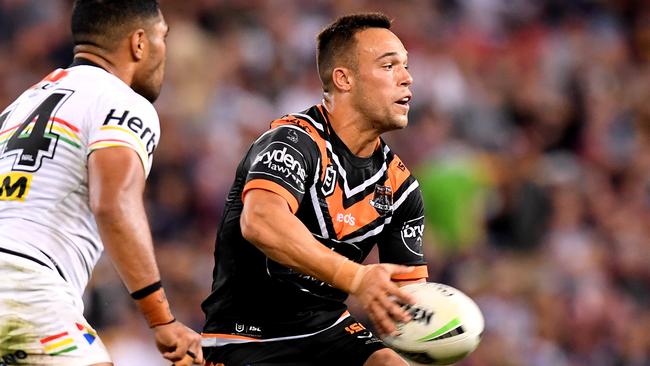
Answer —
(137, 42)
(342, 78)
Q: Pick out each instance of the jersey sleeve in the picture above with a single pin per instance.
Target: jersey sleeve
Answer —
(284, 161)
(130, 123)
(401, 240)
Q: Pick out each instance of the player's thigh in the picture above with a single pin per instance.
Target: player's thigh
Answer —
(41, 318)
(385, 357)
(349, 343)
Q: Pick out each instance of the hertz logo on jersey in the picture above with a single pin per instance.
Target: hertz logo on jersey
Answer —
(135, 125)
(14, 186)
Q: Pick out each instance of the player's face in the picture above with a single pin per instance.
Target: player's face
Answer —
(149, 78)
(381, 91)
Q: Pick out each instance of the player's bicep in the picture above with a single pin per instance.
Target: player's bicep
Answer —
(266, 201)
(282, 161)
(114, 174)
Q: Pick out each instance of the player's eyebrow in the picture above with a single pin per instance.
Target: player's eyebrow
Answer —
(388, 54)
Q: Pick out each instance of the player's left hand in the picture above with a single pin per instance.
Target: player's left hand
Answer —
(179, 344)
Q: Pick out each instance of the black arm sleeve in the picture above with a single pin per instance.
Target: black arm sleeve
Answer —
(401, 240)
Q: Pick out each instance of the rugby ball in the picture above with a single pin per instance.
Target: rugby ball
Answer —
(445, 325)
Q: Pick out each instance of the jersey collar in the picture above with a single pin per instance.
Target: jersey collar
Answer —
(79, 61)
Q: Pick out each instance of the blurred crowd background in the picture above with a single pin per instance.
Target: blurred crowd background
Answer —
(529, 132)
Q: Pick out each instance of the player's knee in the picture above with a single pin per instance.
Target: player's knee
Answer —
(385, 357)
(102, 364)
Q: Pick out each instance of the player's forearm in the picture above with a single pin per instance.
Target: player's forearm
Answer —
(289, 243)
(269, 225)
(125, 233)
(116, 185)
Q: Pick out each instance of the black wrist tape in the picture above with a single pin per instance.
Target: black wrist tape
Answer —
(146, 291)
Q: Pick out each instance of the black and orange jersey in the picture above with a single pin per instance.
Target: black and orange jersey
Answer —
(350, 204)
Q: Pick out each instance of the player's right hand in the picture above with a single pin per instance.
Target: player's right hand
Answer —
(379, 296)
(175, 342)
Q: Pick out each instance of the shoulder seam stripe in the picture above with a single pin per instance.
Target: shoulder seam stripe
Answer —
(316, 124)
(280, 126)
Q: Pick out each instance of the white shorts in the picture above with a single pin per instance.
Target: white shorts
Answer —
(41, 318)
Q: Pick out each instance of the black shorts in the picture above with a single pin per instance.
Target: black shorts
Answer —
(348, 343)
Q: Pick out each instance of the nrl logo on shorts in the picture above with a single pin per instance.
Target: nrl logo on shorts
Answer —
(382, 200)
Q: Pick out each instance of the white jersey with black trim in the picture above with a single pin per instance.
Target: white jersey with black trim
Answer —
(46, 136)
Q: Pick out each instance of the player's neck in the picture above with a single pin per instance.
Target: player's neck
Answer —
(104, 61)
(350, 126)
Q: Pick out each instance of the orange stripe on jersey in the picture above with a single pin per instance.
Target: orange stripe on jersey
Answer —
(320, 142)
(397, 173)
(272, 187)
(353, 218)
(418, 273)
(347, 221)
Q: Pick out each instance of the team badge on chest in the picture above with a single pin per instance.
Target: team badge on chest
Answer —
(382, 200)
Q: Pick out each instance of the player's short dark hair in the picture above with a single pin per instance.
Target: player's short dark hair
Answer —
(336, 40)
(101, 22)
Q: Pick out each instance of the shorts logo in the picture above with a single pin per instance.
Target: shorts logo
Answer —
(239, 327)
(58, 344)
(329, 183)
(14, 186)
(411, 234)
(89, 334)
(282, 160)
(355, 328)
(358, 329)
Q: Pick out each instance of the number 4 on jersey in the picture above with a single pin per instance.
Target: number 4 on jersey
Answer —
(33, 140)
(3, 117)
